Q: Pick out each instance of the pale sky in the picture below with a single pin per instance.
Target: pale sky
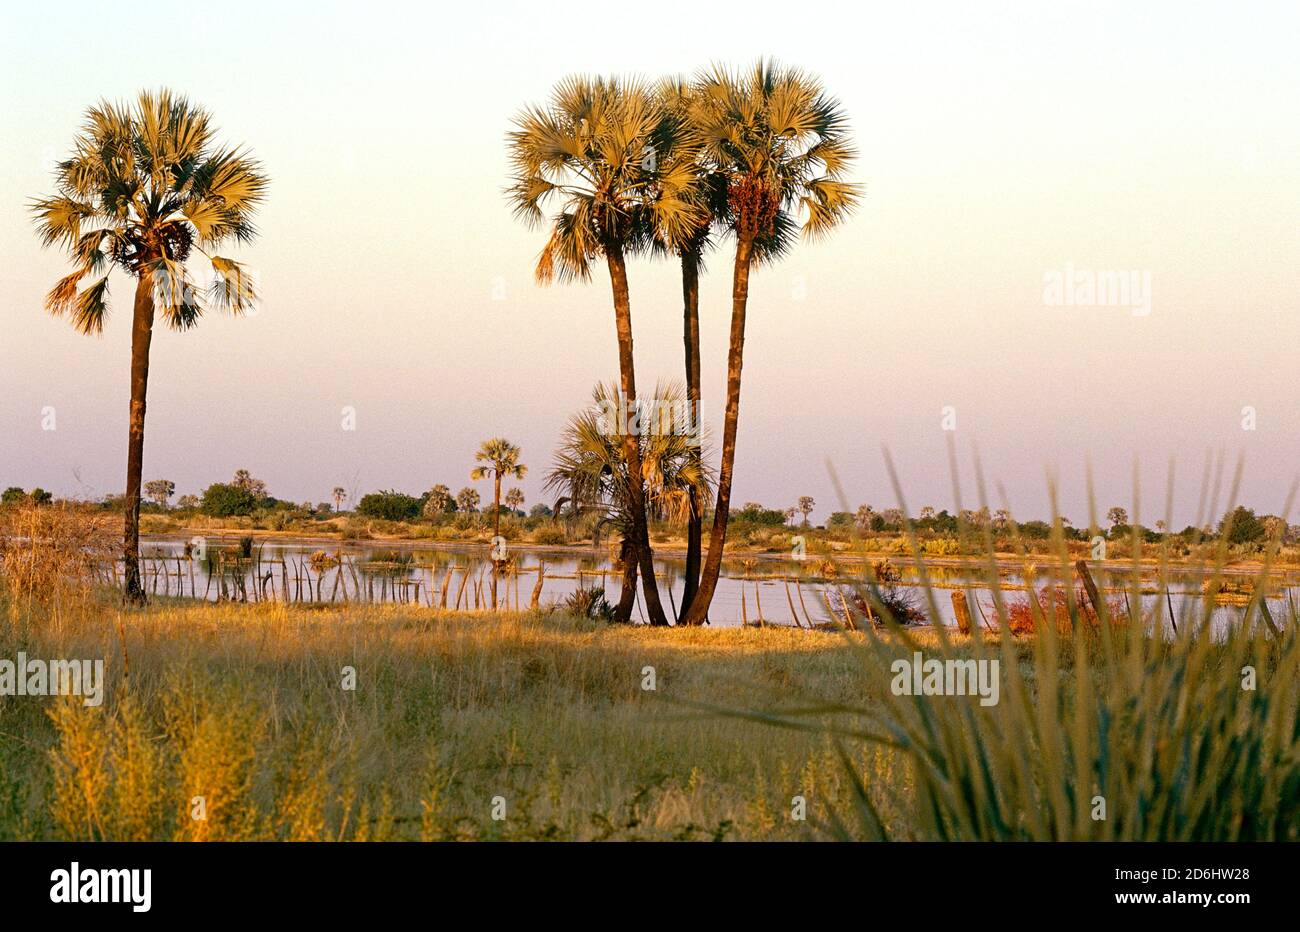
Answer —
(999, 143)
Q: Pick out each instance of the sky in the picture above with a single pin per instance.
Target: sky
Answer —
(1010, 155)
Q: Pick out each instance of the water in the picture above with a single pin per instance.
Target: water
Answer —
(415, 571)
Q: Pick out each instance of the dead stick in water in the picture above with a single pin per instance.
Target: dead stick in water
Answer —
(790, 599)
(1089, 587)
(1170, 602)
(798, 587)
(537, 589)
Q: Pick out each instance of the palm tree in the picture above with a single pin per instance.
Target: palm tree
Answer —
(339, 494)
(591, 469)
(144, 187)
(806, 505)
(591, 148)
(780, 143)
(514, 499)
(501, 459)
(467, 500)
(706, 191)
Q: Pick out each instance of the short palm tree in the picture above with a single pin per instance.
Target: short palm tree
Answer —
(591, 469)
(500, 459)
(781, 144)
(592, 150)
(146, 186)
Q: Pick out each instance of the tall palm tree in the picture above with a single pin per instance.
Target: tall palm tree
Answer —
(591, 149)
(339, 494)
(145, 186)
(500, 459)
(781, 144)
(591, 469)
(707, 191)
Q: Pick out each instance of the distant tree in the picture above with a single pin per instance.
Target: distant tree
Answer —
(225, 500)
(499, 459)
(324, 508)
(159, 491)
(438, 502)
(244, 480)
(1162, 526)
(1242, 527)
(540, 511)
(467, 499)
(862, 518)
(12, 495)
(41, 497)
(789, 515)
(187, 501)
(840, 519)
(339, 495)
(1274, 527)
(1117, 517)
(805, 506)
(514, 499)
(927, 513)
(1002, 519)
(389, 505)
(893, 518)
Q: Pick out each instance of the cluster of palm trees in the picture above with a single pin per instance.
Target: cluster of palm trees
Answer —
(632, 169)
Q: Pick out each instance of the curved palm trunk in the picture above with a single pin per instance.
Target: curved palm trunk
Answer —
(631, 446)
(141, 337)
(627, 597)
(691, 341)
(735, 358)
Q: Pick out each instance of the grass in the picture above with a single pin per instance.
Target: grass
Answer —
(245, 706)
(361, 722)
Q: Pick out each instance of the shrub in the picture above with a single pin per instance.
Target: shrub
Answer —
(389, 505)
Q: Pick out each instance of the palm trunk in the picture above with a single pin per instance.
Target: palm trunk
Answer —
(691, 341)
(631, 443)
(627, 597)
(141, 336)
(496, 532)
(496, 510)
(735, 359)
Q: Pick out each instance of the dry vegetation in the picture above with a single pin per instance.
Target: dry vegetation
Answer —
(246, 707)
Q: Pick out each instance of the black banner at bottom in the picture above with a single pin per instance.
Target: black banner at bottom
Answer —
(919, 881)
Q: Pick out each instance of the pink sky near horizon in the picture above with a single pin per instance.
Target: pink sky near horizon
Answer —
(997, 145)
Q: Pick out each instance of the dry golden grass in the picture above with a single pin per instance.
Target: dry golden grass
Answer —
(244, 706)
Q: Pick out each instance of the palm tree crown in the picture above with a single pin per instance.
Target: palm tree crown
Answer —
(500, 458)
(144, 187)
(782, 144)
(597, 148)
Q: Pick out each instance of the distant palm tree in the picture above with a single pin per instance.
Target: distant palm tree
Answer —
(806, 505)
(592, 149)
(514, 499)
(780, 142)
(467, 500)
(339, 495)
(591, 468)
(144, 187)
(500, 459)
